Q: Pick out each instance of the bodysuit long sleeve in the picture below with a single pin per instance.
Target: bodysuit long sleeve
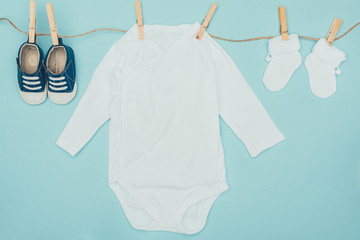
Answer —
(163, 96)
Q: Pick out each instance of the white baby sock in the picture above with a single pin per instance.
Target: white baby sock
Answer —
(284, 58)
(321, 65)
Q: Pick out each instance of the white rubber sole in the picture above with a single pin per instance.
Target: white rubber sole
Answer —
(62, 98)
(34, 98)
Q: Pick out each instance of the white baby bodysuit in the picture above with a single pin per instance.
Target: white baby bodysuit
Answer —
(164, 95)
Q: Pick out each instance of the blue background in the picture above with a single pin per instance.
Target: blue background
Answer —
(307, 187)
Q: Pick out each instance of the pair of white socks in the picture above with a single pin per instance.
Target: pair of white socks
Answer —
(284, 58)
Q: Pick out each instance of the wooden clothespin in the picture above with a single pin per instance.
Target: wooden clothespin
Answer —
(139, 20)
(32, 23)
(53, 30)
(206, 21)
(283, 23)
(333, 31)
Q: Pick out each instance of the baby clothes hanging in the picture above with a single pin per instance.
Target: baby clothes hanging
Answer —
(284, 58)
(164, 95)
(322, 65)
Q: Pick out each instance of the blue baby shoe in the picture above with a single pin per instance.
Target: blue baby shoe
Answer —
(31, 75)
(60, 73)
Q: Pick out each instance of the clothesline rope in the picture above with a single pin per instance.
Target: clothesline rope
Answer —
(220, 38)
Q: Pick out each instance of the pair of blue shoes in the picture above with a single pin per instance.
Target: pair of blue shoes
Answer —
(53, 76)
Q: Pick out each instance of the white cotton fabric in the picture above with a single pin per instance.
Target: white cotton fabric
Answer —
(321, 65)
(284, 58)
(164, 95)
